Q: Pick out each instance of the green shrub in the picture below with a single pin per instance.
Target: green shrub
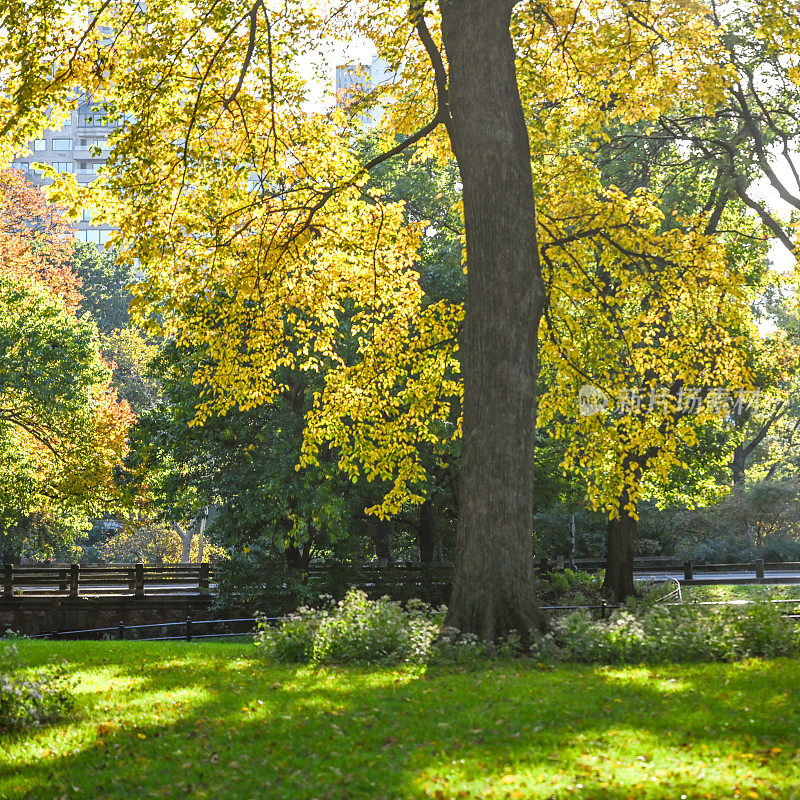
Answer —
(764, 631)
(31, 699)
(570, 588)
(355, 630)
(292, 641)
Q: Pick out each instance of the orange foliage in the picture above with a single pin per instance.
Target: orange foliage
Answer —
(35, 240)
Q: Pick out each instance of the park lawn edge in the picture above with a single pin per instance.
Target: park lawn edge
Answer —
(213, 720)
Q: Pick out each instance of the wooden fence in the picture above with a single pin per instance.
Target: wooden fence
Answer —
(75, 580)
(432, 582)
(402, 581)
(656, 564)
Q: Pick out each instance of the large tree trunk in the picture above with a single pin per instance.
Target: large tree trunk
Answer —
(621, 537)
(493, 585)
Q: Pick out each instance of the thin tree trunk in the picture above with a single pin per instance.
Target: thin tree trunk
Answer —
(201, 533)
(298, 559)
(621, 538)
(739, 465)
(428, 531)
(186, 541)
(379, 533)
(493, 585)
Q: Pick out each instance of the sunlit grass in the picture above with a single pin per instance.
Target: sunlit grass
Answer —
(213, 721)
(727, 593)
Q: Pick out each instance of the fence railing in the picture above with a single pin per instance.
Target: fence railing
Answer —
(403, 579)
(75, 580)
(188, 630)
(656, 564)
(191, 629)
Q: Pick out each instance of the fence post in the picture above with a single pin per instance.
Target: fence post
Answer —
(139, 580)
(760, 569)
(603, 609)
(74, 578)
(688, 571)
(121, 631)
(560, 563)
(203, 582)
(8, 581)
(188, 629)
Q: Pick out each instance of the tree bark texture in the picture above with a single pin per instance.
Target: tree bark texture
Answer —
(621, 538)
(493, 586)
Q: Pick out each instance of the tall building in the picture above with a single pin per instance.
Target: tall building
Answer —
(354, 80)
(79, 147)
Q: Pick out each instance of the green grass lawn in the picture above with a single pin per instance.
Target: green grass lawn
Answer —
(723, 593)
(213, 721)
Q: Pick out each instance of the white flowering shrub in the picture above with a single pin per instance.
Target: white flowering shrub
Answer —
(31, 699)
(671, 634)
(355, 630)
(455, 647)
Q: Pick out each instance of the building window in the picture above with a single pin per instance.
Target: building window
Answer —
(39, 145)
(62, 144)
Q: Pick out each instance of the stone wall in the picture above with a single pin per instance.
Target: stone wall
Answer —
(45, 614)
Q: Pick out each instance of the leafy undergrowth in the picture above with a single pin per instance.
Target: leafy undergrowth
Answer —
(214, 721)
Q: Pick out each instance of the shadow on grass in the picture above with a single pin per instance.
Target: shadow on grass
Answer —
(210, 722)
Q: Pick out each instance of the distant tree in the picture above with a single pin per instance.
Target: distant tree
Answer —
(104, 285)
(62, 428)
